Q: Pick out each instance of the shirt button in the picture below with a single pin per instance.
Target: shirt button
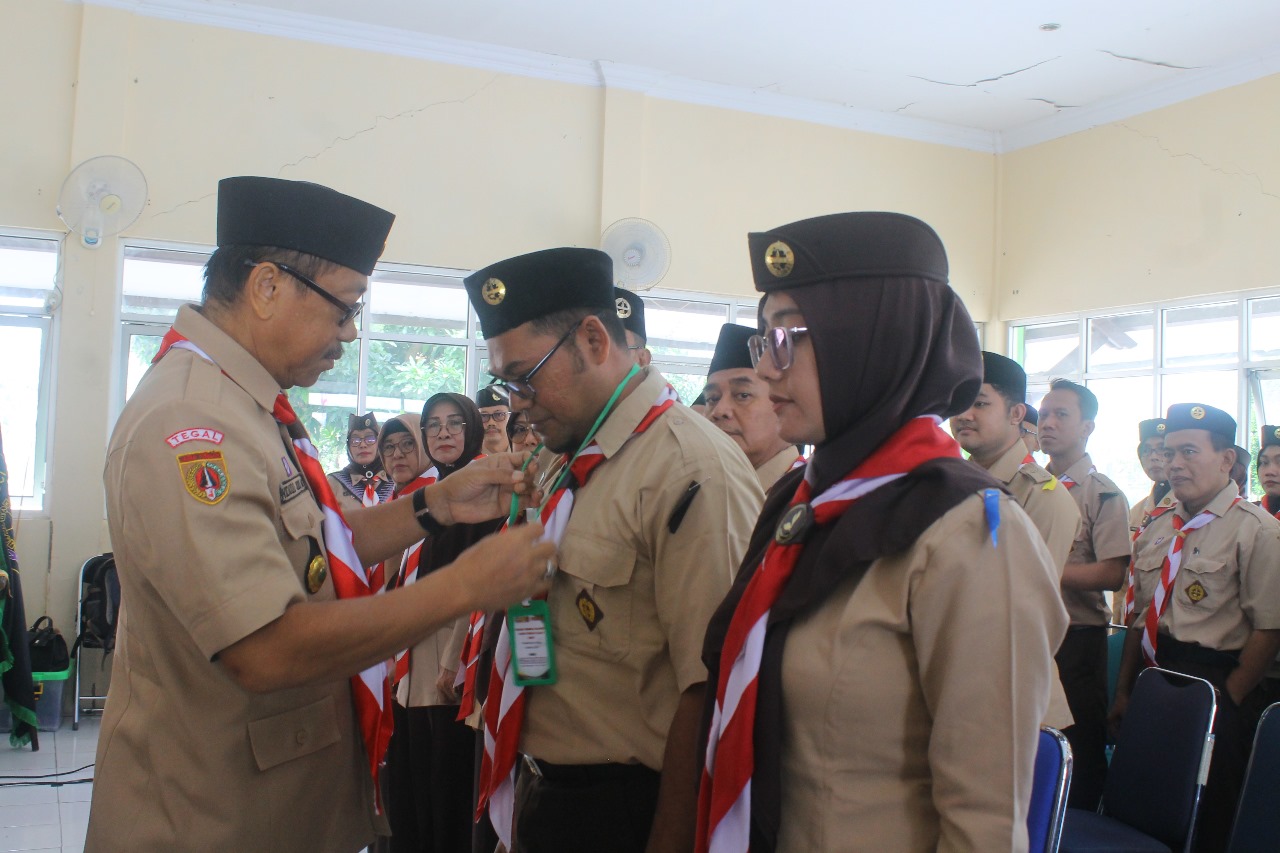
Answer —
(302, 738)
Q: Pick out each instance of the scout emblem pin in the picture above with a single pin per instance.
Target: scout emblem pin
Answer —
(588, 610)
(778, 259)
(494, 291)
(1197, 412)
(1196, 592)
(317, 571)
(794, 525)
(1161, 427)
(624, 308)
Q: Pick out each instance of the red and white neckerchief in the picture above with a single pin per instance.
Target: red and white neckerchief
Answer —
(370, 497)
(505, 704)
(1271, 505)
(409, 565)
(1168, 573)
(1068, 482)
(724, 796)
(370, 689)
(1132, 574)
(799, 463)
(470, 664)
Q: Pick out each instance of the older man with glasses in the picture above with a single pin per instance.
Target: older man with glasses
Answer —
(491, 400)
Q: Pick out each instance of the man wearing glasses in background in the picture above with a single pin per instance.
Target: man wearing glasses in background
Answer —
(651, 519)
(494, 411)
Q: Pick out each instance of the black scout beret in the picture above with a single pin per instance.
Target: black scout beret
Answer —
(510, 293)
(731, 348)
(630, 311)
(365, 421)
(1270, 435)
(490, 395)
(846, 245)
(1007, 373)
(304, 217)
(1152, 428)
(1199, 416)
(1033, 415)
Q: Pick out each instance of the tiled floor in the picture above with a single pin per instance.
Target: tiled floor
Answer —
(43, 817)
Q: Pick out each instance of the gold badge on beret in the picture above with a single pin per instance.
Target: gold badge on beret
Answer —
(779, 259)
(1197, 412)
(624, 308)
(1196, 592)
(589, 610)
(1277, 432)
(1160, 427)
(317, 571)
(494, 291)
(794, 525)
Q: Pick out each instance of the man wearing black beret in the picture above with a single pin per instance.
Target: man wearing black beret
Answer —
(494, 408)
(738, 403)
(1151, 457)
(631, 313)
(249, 707)
(1031, 429)
(650, 506)
(1206, 598)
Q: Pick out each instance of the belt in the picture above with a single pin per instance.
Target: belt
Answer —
(1169, 650)
(585, 774)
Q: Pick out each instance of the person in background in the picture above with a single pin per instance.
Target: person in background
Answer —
(1160, 500)
(494, 411)
(521, 434)
(699, 404)
(738, 403)
(884, 660)
(1098, 561)
(631, 313)
(362, 482)
(1030, 430)
(1206, 600)
(1240, 471)
(1269, 470)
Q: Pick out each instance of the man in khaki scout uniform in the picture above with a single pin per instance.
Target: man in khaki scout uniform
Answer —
(230, 722)
(991, 433)
(1219, 617)
(1031, 429)
(738, 403)
(631, 313)
(1098, 561)
(1151, 457)
(1269, 469)
(494, 411)
(648, 552)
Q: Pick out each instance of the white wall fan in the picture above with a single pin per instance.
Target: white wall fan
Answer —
(641, 253)
(102, 197)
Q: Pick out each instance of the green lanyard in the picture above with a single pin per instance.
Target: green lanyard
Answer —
(591, 434)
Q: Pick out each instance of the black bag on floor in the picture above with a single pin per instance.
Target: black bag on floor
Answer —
(48, 647)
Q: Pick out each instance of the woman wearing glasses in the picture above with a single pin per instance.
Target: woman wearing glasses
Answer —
(430, 761)
(521, 434)
(362, 482)
(883, 661)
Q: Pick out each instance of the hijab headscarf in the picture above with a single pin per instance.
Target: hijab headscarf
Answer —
(472, 433)
(407, 424)
(355, 469)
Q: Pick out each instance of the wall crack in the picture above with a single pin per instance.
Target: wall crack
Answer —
(1239, 173)
(977, 83)
(1154, 62)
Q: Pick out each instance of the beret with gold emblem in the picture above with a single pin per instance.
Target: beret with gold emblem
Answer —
(1007, 374)
(490, 395)
(1152, 428)
(846, 246)
(732, 350)
(304, 217)
(510, 293)
(1199, 416)
(630, 311)
(366, 421)
(1270, 435)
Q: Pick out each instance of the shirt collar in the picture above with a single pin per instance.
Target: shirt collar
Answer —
(1006, 467)
(626, 416)
(1079, 472)
(1221, 502)
(231, 358)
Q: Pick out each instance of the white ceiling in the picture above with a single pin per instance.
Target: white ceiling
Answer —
(977, 70)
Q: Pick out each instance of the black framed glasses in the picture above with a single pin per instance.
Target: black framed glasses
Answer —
(780, 344)
(521, 387)
(405, 448)
(520, 430)
(495, 417)
(451, 425)
(349, 311)
(367, 441)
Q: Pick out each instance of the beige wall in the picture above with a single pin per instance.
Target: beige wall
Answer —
(477, 165)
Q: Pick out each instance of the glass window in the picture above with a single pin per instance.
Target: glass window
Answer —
(323, 408)
(688, 381)
(683, 328)
(1264, 329)
(402, 303)
(1220, 388)
(747, 315)
(157, 282)
(402, 375)
(28, 273)
(1122, 402)
(1048, 350)
(1122, 342)
(1202, 334)
(22, 422)
(142, 344)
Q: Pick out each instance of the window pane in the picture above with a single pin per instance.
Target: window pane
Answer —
(1202, 334)
(323, 408)
(1122, 402)
(142, 348)
(403, 375)
(412, 304)
(28, 272)
(682, 328)
(1048, 350)
(746, 315)
(687, 384)
(1122, 341)
(19, 416)
(1264, 329)
(1218, 388)
(159, 282)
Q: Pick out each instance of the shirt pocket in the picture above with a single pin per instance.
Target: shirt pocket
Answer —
(1203, 586)
(593, 614)
(293, 734)
(1147, 566)
(300, 518)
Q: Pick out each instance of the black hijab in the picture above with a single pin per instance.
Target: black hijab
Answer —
(472, 433)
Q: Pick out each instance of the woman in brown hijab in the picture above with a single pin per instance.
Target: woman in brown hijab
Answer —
(883, 660)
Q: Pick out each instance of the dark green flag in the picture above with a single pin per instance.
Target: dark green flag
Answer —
(15, 655)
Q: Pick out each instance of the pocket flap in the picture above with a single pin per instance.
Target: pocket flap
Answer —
(596, 562)
(294, 734)
(301, 518)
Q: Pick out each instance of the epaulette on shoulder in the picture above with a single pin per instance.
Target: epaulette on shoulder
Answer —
(1036, 473)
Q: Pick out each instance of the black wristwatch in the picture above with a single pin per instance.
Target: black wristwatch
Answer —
(424, 516)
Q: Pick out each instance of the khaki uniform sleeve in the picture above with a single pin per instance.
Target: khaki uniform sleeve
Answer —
(1055, 515)
(1260, 579)
(451, 655)
(986, 622)
(1111, 535)
(220, 567)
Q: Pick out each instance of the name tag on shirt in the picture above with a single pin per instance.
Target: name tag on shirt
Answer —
(532, 651)
(292, 487)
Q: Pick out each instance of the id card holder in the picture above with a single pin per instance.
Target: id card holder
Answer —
(533, 654)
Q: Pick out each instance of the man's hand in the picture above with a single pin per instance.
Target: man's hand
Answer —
(1116, 715)
(482, 490)
(504, 568)
(444, 684)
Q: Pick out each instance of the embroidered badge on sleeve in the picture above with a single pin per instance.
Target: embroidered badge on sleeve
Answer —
(182, 436)
(205, 475)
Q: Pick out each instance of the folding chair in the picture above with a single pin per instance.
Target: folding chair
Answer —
(1153, 788)
(1258, 817)
(1049, 791)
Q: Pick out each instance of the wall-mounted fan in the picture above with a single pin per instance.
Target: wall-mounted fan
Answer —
(101, 197)
(641, 253)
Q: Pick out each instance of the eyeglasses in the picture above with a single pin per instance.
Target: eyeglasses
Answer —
(404, 448)
(1030, 432)
(520, 430)
(496, 417)
(780, 343)
(368, 441)
(349, 311)
(521, 387)
(452, 425)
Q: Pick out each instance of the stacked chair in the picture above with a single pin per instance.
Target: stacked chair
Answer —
(1257, 828)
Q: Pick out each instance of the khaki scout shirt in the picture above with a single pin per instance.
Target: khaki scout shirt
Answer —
(1229, 582)
(1104, 534)
(774, 468)
(212, 528)
(651, 591)
(912, 703)
(1139, 517)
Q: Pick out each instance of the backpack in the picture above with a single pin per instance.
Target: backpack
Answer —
(99, 604)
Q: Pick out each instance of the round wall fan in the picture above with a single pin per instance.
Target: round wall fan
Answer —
(641, 252)
(101, 197)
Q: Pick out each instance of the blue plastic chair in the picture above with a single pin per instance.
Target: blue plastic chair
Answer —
(1049, 790)
(1152, 793)
(1257, 828)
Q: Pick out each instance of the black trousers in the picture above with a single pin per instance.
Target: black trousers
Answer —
(1082, 666)
(430, 778)
(585, 808)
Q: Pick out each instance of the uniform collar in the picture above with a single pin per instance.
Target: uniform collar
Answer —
(775, 467)
(626, 416)
(231, 358)
(1006, 467)
(1221, 502)
(1079, 472)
